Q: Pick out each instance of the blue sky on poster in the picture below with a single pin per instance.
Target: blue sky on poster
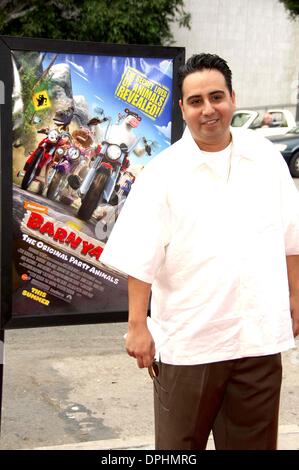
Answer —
(97, 77)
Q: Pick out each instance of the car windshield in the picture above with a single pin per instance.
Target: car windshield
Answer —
(239, 119)
(256, 123)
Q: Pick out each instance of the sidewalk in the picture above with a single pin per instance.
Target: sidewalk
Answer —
(75, 388)
(288, 439)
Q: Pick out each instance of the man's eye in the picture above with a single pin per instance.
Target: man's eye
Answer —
(195, 101)
(217, 97)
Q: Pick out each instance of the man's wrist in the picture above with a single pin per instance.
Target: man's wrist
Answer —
(134, 324)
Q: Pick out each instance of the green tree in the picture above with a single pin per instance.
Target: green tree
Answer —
(114, 21)
(292, 6)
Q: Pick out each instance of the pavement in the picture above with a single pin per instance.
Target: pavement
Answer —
(288, 439)
(75, 388)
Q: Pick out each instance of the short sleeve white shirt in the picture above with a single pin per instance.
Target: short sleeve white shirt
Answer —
(214, 249)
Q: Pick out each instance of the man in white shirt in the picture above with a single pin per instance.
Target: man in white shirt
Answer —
(211, 227)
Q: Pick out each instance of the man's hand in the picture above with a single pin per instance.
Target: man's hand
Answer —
(293, 277)
(139, 341)
(140, 344)
(294, 303)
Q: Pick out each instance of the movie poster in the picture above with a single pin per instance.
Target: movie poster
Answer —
(84, 127)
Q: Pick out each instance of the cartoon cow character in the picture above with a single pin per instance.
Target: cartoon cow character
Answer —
(122, 132)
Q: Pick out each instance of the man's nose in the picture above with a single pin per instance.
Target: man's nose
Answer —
(207, 108)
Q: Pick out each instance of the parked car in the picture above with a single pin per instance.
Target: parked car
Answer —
(282, 121)
(288, 145)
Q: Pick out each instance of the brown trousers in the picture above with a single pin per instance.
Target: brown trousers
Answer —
(237, 399)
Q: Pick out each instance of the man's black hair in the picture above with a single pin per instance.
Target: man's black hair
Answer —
(199, 62)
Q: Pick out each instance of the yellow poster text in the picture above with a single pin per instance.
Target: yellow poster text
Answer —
(37, 295)
(146, 95)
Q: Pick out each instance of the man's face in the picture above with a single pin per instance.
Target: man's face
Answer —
(207, 109)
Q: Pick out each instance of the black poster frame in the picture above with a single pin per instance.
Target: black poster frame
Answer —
(8, 44)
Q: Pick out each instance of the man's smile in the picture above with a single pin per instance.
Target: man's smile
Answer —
(210, 122)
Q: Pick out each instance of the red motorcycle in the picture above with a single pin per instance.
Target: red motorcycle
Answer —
(43, 154)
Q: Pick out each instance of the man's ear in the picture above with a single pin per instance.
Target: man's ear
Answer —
(182, 108)
(234, 99)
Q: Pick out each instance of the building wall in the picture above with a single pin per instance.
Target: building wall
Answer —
(259, 41)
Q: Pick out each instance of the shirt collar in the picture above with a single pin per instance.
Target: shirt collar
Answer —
(240, 149)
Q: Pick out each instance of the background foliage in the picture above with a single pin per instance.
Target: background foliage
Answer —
(114, 21)
(292, 6)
